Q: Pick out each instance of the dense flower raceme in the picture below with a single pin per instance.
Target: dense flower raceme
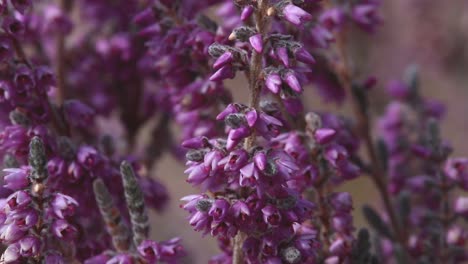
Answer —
(418, 163)
(28, 108)
(81, 80)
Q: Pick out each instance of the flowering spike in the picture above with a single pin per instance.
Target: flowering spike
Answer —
(111, 216)
(135, 203)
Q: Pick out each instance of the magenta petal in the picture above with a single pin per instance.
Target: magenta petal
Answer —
(273, 83)
(247, 12)
(248, 170)
(251, 117)
(260, 160)
(324, 135)
(304, 56)
(293, 82)
(282, 54)
(224, 59)
(230, 109)
(225, 72)
(257, 42)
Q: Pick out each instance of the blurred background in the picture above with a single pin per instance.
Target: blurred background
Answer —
(432, 34)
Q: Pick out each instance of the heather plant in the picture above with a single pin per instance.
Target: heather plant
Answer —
(94, 93)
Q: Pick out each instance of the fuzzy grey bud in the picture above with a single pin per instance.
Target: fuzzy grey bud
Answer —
(66, 148)
(9, 161)
(195, 155)
(242, 33)
(37, 160)
(112, 218)
(135, 203)
(292, 255)
(18, 118)
(235, 120)
(203, 205)
(313, 121)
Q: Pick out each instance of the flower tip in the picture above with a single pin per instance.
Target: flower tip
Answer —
(271, 11)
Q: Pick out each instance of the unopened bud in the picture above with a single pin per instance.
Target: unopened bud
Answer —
(292, 255)
(313, 121)
(235, 120)
(195, 155)
(204, 205)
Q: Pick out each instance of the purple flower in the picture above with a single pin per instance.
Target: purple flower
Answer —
(219, 210)
(333, 18)
(237, 135)
(247, 12)
(341, 202)
(282, 55)
(6, 48)
(324, 135)
(16, 179)
(24, 219)
(225, 59)
(11, 254)
(17, 200)
(29, 246)
(88, 157)
(225, 72)
(63, 205)
(296, 15)
(366, 16)
(271, 215)
(457, 170)
(257, 42)
(11, 233)
(24, 79)
(235, 160)
(461, 206)
(78, 114)
(122, 258)
(149, 250)
(398, 89)
(291, 79)
(170, 251)
(14, 25)
(62, 229)
(273, 82)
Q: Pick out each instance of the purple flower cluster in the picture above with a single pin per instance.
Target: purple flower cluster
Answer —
(94, 93)
(255, 200)
(419, 164)
(35, 222)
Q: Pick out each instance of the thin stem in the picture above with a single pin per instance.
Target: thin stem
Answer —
(363, 125)
(255, 87)
(60, 64)
(324, 214)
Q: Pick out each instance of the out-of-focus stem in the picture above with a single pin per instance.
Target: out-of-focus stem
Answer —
(363, 122)
(324, 214)
(60, 64)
